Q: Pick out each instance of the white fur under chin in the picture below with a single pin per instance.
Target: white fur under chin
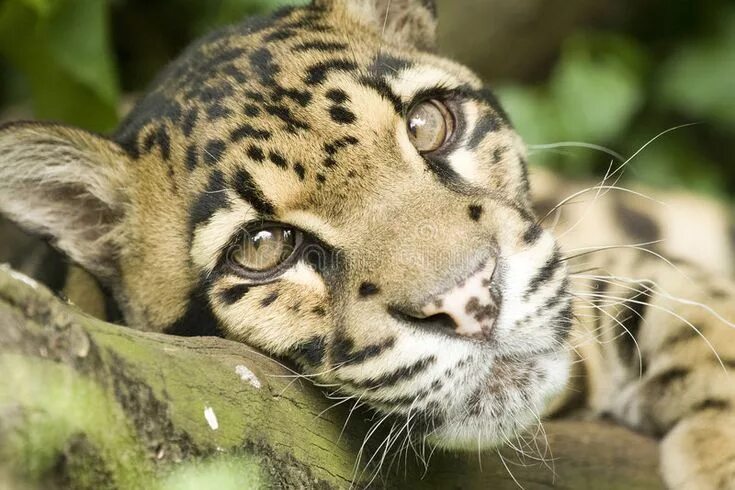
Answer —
(466, 432)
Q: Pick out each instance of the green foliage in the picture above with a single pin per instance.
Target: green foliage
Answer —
(62, 49)
(662, 66)
(613, 91)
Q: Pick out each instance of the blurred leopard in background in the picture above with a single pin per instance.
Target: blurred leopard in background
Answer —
(320, 185)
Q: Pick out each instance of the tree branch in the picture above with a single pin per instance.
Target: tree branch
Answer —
(87, 404)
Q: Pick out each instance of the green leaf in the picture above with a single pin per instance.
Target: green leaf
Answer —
(62, 48)
(699, 79)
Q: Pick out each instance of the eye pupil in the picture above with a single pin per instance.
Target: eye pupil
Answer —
(430, 124)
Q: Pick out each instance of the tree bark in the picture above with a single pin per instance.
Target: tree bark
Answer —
(87, 404)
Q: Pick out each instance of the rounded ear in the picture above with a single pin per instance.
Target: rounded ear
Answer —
(408, 22)
(68, 185)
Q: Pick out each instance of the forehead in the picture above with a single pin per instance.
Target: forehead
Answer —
(299, 105)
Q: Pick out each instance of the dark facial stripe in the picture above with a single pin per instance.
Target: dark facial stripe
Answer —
(384, 90)
(209, 201)
(197, 320)
(393, 378)
(269, 300)
(488, 123)
(312, 351)
(233, 294)
(545, 274)
(246, 187)
(316, 74)
(343, 350)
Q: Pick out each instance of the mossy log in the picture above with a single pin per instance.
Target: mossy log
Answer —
(87, 404)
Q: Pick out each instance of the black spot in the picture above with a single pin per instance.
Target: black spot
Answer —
(255, 153)
(234, 294)
(636, 224)
(218, 111)
(253, 95)
(251, 110)
(319, 311)
(300, 171)
(190, 120)
(342, 115)
(213, 151)
(246, 187)
(278, 159)
(318, 72)
(280, 35)
(324, 46)
(235, 73)
(261, 61)
(247, 131)
(475, 212)
(269, 300)
(338, 96)
(209, 201)
(215, 93)
(192, 157)
(332, 148)
(321, 178)
(284, 114)
(301, 97)
(368, 289)
(498, 154)
(312, 351)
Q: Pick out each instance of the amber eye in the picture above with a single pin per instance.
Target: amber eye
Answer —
(264, 249)
(430, 124)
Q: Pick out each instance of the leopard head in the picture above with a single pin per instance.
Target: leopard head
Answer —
(320, 185)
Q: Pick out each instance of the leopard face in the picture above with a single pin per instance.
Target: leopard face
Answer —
(320, 185)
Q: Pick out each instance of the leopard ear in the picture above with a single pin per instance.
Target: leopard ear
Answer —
(67, 185)
(408, 22)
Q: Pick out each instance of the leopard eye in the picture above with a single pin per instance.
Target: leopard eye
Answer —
(264, 249)
(430, 124)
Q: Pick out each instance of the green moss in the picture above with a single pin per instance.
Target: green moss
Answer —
(49, 406)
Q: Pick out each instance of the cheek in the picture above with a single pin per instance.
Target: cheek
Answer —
(283, 317)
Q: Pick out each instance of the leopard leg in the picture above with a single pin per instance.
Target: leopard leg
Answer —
(668, 363)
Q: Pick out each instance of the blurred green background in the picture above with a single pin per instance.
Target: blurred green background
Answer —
(613, 73)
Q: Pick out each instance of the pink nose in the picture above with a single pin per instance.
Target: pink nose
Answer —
(473, 304)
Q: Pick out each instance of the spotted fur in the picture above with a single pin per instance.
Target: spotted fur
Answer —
(425, 286)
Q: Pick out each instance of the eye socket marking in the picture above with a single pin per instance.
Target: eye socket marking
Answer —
(430, 124)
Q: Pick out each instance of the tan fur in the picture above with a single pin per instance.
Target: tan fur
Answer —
(425, 286)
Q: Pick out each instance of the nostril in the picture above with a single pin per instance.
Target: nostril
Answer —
(439, 321)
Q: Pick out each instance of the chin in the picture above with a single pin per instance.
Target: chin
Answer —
(511, 398)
